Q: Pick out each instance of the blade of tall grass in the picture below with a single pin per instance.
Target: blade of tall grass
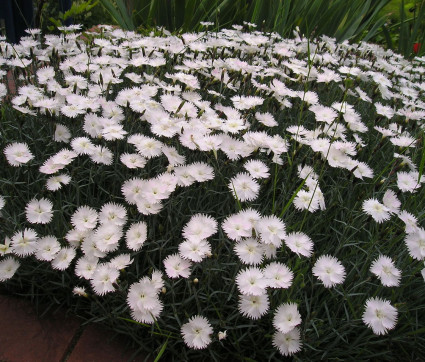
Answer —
(118, 13)
(161, 352)
(189, 8)
(293, 197)
(353, 25)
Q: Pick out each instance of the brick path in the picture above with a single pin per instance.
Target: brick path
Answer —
(25, 337)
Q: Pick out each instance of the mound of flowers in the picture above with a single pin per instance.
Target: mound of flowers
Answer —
(232, 193)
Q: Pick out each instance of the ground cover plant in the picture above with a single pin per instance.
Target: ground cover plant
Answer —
(218, 195)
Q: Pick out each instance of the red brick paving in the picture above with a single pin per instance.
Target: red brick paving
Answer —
(11, 83)
(25, 337)
(96, 345)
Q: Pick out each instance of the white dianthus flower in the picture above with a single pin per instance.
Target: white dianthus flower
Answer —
(329, 270)
(286, 317)
(197, 332)
(379, 315)
(39, 211)
(378, 211)
(384, 269)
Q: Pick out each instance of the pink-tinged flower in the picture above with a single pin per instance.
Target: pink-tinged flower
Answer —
(18, 154)
(200, 227)
(237, 227)
(176, 266)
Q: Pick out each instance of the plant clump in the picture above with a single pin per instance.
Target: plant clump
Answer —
(231, 193)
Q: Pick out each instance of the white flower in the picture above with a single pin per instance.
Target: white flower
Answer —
(39, 211)
(305, 200)
(410, 221)
(103, 279)
(101, 155)
(329, 271)
(243, 102)
(47, 248)
(415, 242)
(143, 301)
(175, 266)
(299, 243)
(391, 201)
(197, 332)
(286, 317)
(222, 335)
(154, 191)
(62, 133)
(133, 160)
(237, 227)
(6, 247)
(184, 176)
(201, 172)
(200, 227)
(278, 275)
(112, 213)
(136, 235)
(86, 266)
(24, 243)
(82, 145)
(146, 146)
(406, 182)
(63, 258)
(249, 251)
(121, 261)
(107, 237)
(18, 154)
(257, 169)
(8, 268)
(195, 250)
(2, 202)
(80, 291)
(271, 230)
(244, 187)
(375, 209)
(379, 315)
(84, 218)
(287, 343)
(251, 281)
(54, 183)
(254, 306)
(266, 118)
(384, 269)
